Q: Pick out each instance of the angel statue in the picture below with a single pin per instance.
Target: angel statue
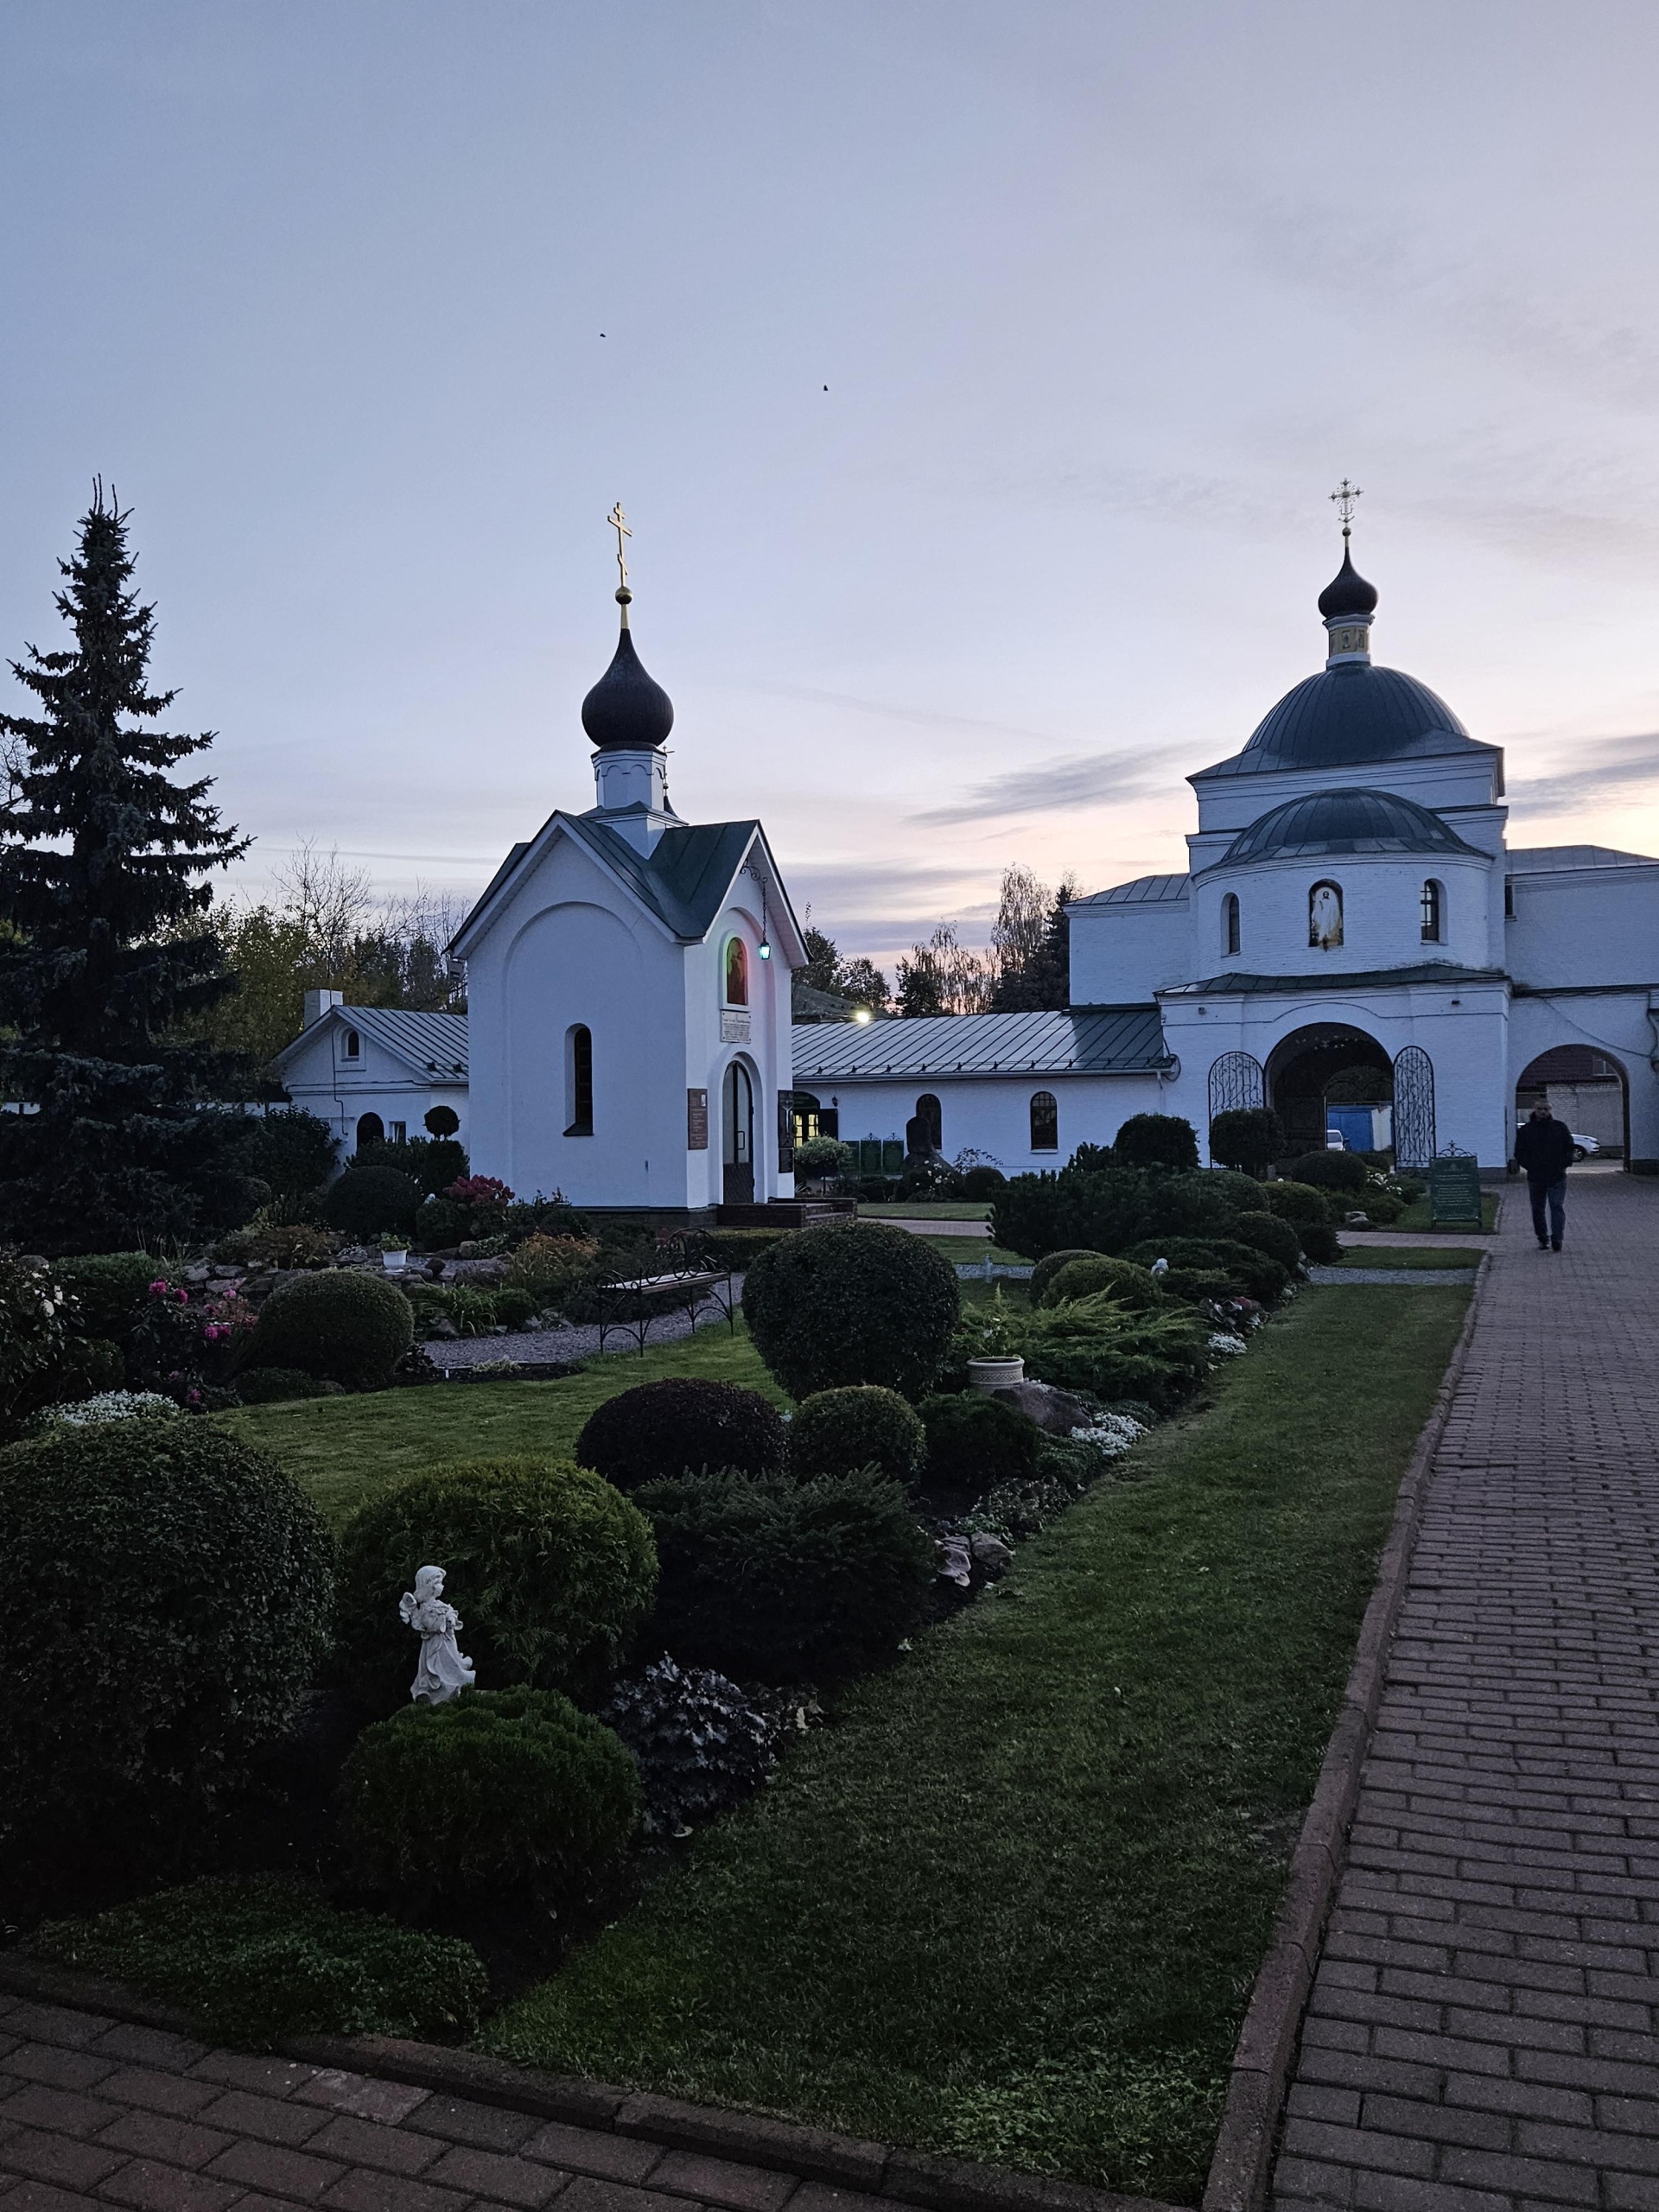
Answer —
(443, 1669)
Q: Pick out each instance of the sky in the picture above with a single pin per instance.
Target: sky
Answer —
(973, 378)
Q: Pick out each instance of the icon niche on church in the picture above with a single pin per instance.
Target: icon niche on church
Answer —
(1324, 916)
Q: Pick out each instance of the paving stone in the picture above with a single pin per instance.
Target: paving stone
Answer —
(268, 2119)
(266, 2077)
(138, 2085)
(274, 2167)
(485, 2127)
(503, 2180)
(43, 2196)
(365, 2189)
(39, 2155)
(167, 2189)
(69, 2111)
(56, 2023)
(150, 2047)
(60, 2067)
(586, 2151)
(364, 2095)
(369, 2143)
(723, 2181)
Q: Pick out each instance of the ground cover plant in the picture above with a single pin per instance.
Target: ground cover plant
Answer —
(1010, 1906)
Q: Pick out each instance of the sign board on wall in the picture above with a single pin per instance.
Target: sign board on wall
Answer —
(696, 1120)
(1454, 1190)
(734, 1028)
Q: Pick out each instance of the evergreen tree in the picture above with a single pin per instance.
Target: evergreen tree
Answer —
(105, 955)
(1041, 978)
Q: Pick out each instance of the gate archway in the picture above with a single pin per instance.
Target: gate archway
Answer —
(1414, 1108)
(1303, 1067)
(1585, 1087)
(1237, 1081)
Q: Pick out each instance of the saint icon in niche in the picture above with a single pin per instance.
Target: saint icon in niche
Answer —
(1324, 916)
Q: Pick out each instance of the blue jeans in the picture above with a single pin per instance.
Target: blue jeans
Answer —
(1554, 1196)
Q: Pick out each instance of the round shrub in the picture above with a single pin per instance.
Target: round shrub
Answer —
(1156, 1140)
(1249, 1138)
(177, 1588)
(1320, 1244)
(983, 1182)
(1247, 1270)
(1265, 1232)
(514, 1308)
(550, 1568)
(1332, 1170)
(1298, 1203)
(975, 1440)
(763, 1576)
(681, 1423)
(1124, 1279)
(110, 1290)
(367, 1200)
(498, 1789)
(1049, 1265)
(340, 1327)
(837, 1432)
(863, 1303)
(1242, 1193)
(440, 1121)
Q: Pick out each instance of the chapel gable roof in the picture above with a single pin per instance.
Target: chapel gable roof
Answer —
(1145, 891)
(432, 1045)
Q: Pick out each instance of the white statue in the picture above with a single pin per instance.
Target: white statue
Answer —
(443, 1669)
(1324, 916)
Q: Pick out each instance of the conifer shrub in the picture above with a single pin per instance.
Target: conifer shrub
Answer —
(1267, 1233)
(1127, 1281)
(973, 1439)
(498, 1790)
(837, 1432)
(1297, 1202)
(1249, 1273)
(550, 1568)
(1320, 1244)
(366, 1201)
(1332, 1170)
(291, 1149)
(1049, 1265)
(340, 1327)
(766, 1577)
(681, 1424)
(1091, 1346)
(178, 1586)
(982, 1181)
(859, 1302)
(1156, 1140)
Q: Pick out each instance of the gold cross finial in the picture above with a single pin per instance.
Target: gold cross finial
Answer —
(1345, 495)
(618, 523)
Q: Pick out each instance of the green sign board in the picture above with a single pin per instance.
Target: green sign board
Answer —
(1454, 1190)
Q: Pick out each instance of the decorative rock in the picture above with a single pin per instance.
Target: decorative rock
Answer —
(1057, 1411)
(443, 1326)
(444, 1670)
(353, 1255)
(484, 1273)
(991, 1556)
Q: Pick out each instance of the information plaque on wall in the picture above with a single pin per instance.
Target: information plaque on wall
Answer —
(1454, 1190)
(696, 1120)
(734, 1028)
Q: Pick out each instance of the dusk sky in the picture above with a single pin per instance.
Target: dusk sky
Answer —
(371, 311)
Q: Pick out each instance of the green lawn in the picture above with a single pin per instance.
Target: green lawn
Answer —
(924, 1209)
(345, 1450)
(1408, 1256)
(962, 1251)
(1010, 1903)
(1415, 1218)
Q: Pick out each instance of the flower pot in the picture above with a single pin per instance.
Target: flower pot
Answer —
(990, 1375)
(394, 1263)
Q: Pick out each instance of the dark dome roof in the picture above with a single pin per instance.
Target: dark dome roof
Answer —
(1344, 822)
(1349, 714)
(626, 711)
(1347, 593)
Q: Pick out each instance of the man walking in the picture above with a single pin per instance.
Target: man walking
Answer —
(1543, 1148)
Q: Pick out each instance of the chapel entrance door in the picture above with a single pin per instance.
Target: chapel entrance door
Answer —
(737, 1122)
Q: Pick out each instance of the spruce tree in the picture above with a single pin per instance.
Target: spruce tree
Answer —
(104, 956)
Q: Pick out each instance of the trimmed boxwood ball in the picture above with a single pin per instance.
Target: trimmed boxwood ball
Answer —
(340, 1327)
(1156, 1140)
(765, 1577)
(1267, 1233)
(367, 1200)
(974, 1440)
(177, 1589)
(1049, 1265)
(550, 1568)
(1298, 1203)
(497, 1790)
(1332, 1170)
(680, 1423)
(837, 1432)
(861, 1302)
(1320, 1244)
(1124, 1279)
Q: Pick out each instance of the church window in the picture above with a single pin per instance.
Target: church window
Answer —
(398, 1132)
(1230, 922)
(1433, 912)
(1509, 898)
(737, 972)
(353, 1048)
(579, 1080)
(1324, 916)
(1045, 1120)
(370, 1129)
(809, 1117)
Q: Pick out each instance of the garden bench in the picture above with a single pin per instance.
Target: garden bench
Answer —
(678, 1278)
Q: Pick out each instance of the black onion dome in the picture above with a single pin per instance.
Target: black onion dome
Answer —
(627, 711)
(1352, 713)
(1344, 822)
(1347, 594)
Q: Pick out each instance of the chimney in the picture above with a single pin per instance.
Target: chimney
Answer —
(317, 1003)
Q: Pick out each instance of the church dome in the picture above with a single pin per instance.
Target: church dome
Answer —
(627, 711)
(1344, 822)
(1350, 713)
(1347, 594)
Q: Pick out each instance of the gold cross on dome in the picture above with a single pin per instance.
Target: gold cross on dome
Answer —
(1345, 495)
(618, 523)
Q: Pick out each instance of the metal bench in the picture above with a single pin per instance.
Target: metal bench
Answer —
(678, 1277)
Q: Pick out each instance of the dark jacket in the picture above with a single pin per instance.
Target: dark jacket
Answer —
(1544, 1149)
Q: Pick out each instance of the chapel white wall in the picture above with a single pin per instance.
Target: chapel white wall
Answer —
(1585, 926)
(1382, 914)
(992, 1114)
(1120, 954)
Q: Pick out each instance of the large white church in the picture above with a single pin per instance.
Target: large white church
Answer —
(1351, 925)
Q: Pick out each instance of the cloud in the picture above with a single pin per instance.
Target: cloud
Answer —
(1610, 765)
(884, 710)
(1051, 786)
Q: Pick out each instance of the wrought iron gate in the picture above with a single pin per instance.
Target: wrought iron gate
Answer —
(1236, 1080)
(1414, 1108)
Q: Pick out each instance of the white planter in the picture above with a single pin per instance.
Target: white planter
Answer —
(990, 1375)
(395, 1262)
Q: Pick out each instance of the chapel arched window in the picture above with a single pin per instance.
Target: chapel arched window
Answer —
(353, 1048)
(1325, 917)
(1230, 922)
(370, 1129)
(579, 1080)
(1434, 912)
(1044, 1121)
(737, 972)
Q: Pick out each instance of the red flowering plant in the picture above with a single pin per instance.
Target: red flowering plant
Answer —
(484, 1200)
(185, 1346)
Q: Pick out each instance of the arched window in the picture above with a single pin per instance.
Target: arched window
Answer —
(353, 1048)
(737, 972)
(1230, 922)
(1045, 1120)
(1324, 916)
(1434, 912)
(370, 1129)
(579, 1079)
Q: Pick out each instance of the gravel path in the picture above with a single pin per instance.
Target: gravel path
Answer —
(541, 1347)
(1412, 1277)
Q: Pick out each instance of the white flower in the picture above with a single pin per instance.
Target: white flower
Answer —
(1111, 1434)
(108, 1405)
(1221, 1343)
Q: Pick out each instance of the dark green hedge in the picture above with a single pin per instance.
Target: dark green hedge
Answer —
(861, 1302)
(681, 1422)
(838, 1432)
(341, 1326)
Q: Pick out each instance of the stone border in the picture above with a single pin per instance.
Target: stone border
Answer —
(1241, 2171)
(933, 2182)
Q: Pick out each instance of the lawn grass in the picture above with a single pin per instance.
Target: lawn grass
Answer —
(1010, 1903)
(1407, 1255)
(344, 1451)
(1416, 1221)
(965, 1251)
(924, 1209)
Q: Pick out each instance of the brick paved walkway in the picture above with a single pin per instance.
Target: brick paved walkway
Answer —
(1482, 2036)
(95, 2114)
